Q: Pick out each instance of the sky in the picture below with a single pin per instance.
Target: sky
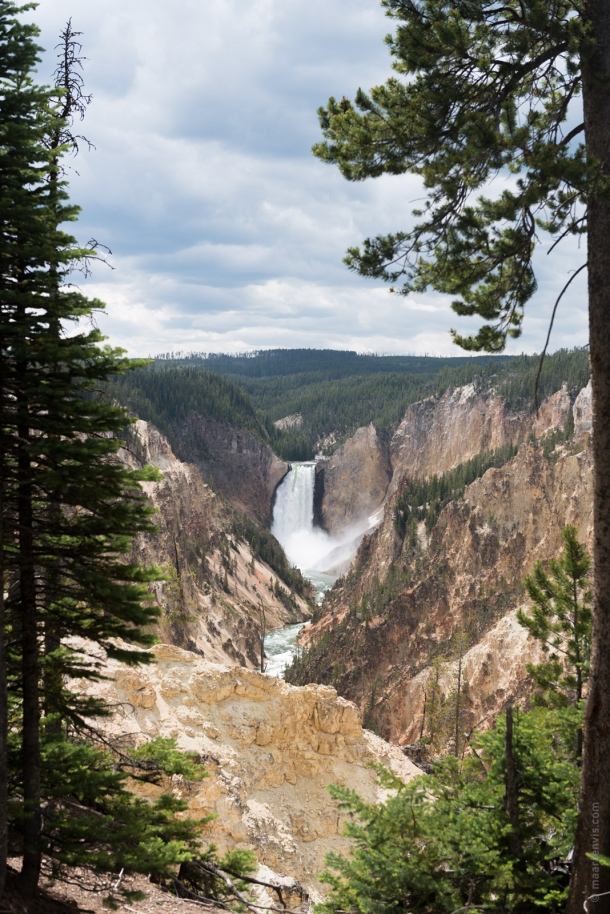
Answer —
(226, 234)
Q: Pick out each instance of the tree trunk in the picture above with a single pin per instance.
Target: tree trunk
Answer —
(30, 871)
(52, 678)
(262, 633)
(457, 706)
(511, 794)
(589, 880)
(3, 695)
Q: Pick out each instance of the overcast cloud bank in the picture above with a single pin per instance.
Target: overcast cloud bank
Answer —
(226, 234)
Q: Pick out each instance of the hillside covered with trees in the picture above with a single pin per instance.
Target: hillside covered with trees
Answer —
(333, 392)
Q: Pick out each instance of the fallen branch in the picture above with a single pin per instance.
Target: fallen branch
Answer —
(118, 882)
(267, 885)
(182, 890)
(212, 870)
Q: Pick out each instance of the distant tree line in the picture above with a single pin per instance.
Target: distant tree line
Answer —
(267, 363)
(339, 405)
(330, 399)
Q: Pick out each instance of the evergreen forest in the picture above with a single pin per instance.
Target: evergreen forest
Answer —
(333, 393)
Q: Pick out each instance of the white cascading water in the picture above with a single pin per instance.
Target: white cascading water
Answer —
(309, 548)
(304, 544)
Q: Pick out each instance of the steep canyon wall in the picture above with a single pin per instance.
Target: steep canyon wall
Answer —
(236, 463)
(216, 585)
(352, 484)
(402, 606)
(434, 436)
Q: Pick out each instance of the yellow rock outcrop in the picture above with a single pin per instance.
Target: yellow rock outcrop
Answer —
(271, 750)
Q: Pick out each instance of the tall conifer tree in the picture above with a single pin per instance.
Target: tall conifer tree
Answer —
(480, 88)
(69, 507)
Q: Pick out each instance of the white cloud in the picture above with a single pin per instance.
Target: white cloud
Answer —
(226, 233)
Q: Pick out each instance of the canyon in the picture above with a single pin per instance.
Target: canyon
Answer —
(216, 583)
(396, 609)
(404, 606)
(392, 630)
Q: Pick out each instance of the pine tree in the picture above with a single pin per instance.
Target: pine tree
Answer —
(560, 620)
(70, 506)
(21, 200)
(71, 104)
(491, 832)
(480, 89)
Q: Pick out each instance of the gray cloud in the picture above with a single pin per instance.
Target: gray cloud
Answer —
(226, 233)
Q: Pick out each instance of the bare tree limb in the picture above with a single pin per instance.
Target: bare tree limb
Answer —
(548, 336)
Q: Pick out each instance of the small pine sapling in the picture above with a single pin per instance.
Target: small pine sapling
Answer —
(560, 620)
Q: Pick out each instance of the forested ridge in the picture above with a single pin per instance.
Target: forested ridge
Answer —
(165, 398)
(334, 363)
(334, 392)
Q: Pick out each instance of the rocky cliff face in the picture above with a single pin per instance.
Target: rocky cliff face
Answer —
(583, 412)
(216, 586)
(271, 751)
(352, 484)
(436, 435)
(495, 670)
(402, 606)
(245, 471)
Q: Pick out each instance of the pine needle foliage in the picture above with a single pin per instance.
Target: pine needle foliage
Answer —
(479, 89)
(560, 619)
(445, 842)
(92, 819)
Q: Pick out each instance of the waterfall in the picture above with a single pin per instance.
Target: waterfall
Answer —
(294, 502)
(292, 524)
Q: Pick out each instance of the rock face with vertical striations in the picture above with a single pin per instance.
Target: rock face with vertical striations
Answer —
(215, 585)
(233, 461)
(271, 750)
(434, 436)
(352, 484)
(494, 668)
(583, 411)
(437, 434)
(404, 603)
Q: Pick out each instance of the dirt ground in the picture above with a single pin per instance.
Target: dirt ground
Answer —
(73, 898)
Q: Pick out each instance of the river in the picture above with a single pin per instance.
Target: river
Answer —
(281, 644)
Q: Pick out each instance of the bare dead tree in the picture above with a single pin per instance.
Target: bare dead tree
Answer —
(69, 79)
(511, 795)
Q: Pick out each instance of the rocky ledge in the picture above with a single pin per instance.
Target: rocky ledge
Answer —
(271, 750)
